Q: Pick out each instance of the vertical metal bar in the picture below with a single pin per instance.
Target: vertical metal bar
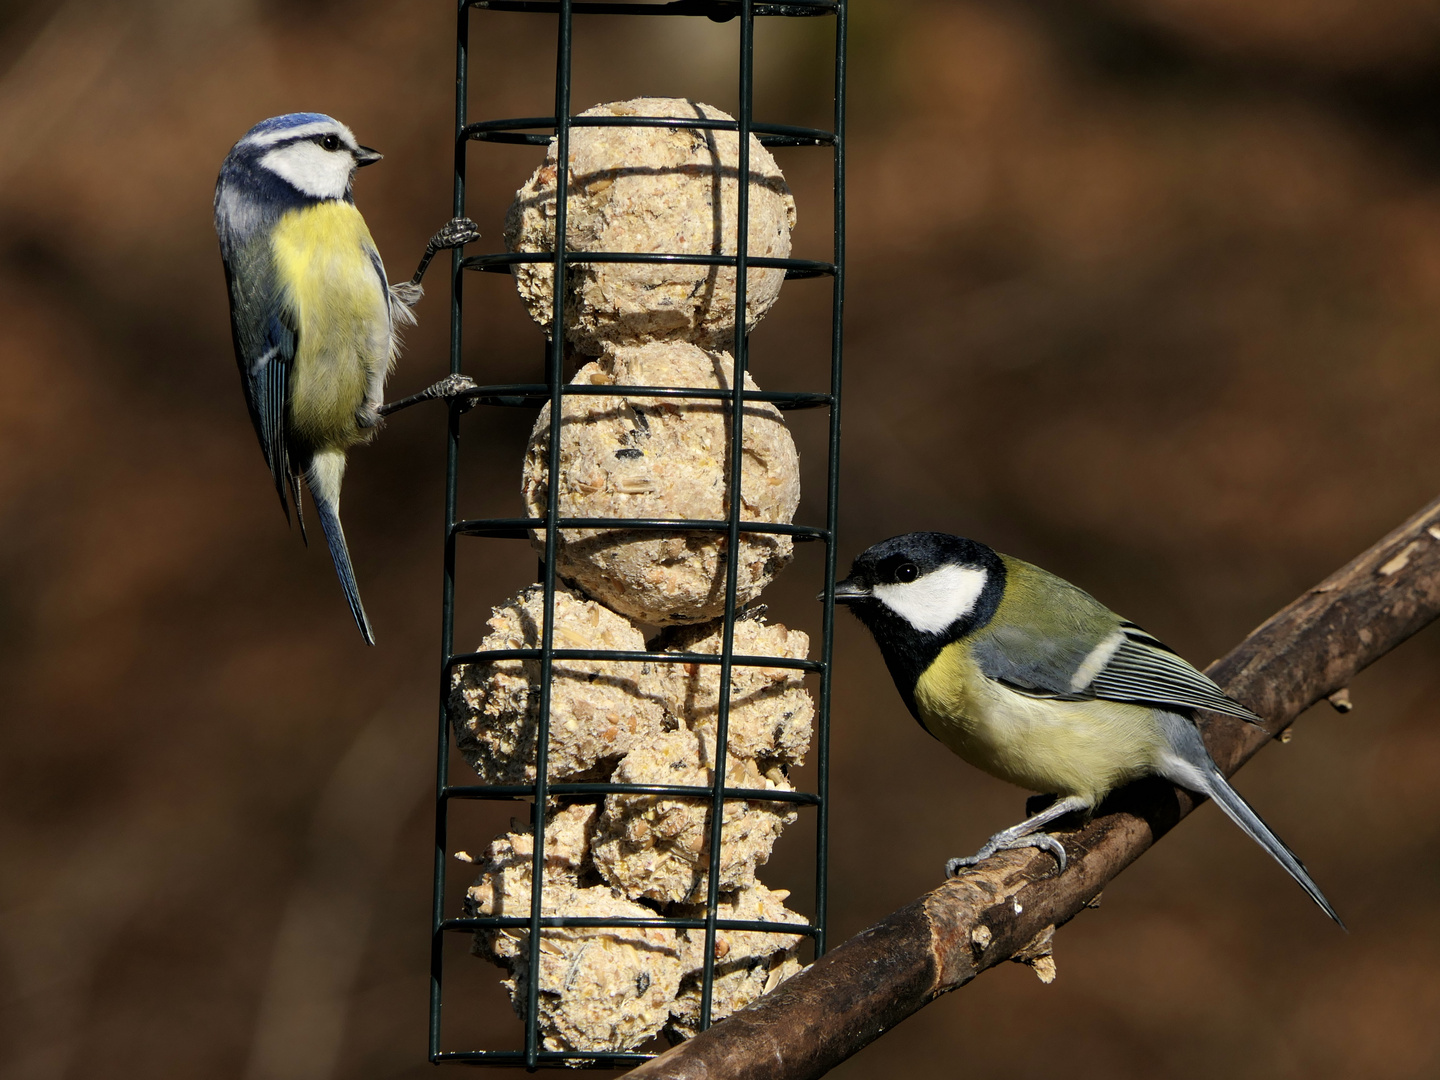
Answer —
(732, 552)
(554, 374)
(447, 603)
(832, 495)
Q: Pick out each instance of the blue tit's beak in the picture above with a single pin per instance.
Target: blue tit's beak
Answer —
(849, 591)
(365, 156)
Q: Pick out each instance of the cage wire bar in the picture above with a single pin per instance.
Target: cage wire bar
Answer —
(538, 131)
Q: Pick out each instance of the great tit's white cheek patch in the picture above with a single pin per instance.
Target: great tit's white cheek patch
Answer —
(324, 174)
(932, 603)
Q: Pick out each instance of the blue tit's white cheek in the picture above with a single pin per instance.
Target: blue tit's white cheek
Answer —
(934, 602)
(321, 173)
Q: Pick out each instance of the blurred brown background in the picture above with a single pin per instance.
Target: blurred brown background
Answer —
(1147, 291)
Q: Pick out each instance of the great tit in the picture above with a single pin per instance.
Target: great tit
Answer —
(1036, 682)
(312, 314)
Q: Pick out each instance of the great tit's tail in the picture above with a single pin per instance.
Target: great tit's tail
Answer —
(326, 469)
(1191, 766)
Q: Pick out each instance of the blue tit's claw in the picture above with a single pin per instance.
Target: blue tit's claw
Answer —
(448, 388)
(457, 232)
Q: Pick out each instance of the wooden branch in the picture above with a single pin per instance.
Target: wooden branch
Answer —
(1007, 908)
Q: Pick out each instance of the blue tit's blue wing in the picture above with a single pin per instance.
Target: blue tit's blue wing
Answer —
(378, 265)
(265, 337)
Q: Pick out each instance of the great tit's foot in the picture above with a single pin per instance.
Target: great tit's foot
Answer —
(1036, 804)
(448, 388)
(1001, 842)
(1027, 834)
(457, 232)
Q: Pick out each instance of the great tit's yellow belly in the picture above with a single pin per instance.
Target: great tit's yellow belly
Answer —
(342, 311)
(1083, 748)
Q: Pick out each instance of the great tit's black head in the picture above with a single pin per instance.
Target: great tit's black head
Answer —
(918, 592)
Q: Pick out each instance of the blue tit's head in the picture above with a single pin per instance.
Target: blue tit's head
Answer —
(924, 589)
(293, 159)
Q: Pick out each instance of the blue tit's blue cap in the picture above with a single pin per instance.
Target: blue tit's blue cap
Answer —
(278, 124)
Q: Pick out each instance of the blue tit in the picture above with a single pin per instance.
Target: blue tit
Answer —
(312, 314)
(1038, 683)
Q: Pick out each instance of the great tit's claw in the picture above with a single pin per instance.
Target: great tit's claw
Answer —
(1043, 841)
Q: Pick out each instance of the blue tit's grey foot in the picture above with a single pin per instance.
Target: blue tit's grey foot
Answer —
(457, 232)
(1026, 834)
(447, 389)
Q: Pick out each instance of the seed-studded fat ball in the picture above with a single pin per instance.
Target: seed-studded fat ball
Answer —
(770, 710)
(658, 847)
(639, 189)
(503, 887)
(599, 710)
(601, 989)
(748, 963)
(648, 457)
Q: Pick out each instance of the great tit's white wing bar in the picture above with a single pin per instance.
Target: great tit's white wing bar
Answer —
(1144, 671)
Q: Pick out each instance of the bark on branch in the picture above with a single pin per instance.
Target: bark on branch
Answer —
(1007, 905)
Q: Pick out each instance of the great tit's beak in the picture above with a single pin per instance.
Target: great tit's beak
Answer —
(848, 591)
(365, 156)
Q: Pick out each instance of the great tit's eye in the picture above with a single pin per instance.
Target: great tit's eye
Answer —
(906, 572)
(330, 142)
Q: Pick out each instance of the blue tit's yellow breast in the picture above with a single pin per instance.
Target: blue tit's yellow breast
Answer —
(339, 303)
(1083, 748)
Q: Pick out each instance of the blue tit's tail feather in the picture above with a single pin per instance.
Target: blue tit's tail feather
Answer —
(1191, 767)
(323, 476)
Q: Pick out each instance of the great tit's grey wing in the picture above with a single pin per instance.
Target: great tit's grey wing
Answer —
(265, 342)
(1129, 665)
(1046, 635)
(1051, 639)
(1143, 669)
